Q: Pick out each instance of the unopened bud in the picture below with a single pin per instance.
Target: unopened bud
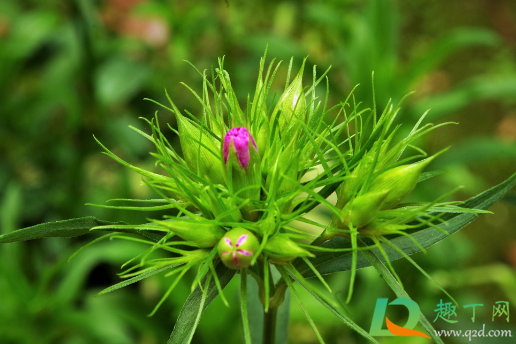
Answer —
(361, 210)
(203, 234)
(238, 139)
(237, 248)
(399, 181)
(353, 182)
(243, 170)
(293, 103)
(261, 120)
(200, 151)
(282, 249)
(268, 225)
(291, 107)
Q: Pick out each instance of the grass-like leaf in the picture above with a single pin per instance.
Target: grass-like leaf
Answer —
(196, 304)
(292, 272)
(398, 290)
(63, 229)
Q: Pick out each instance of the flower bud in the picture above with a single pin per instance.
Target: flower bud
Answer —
(239, 136)
(268, 225)
(399, 181)
(259, 113)
(243, 168)
(346, 189)
(203, 160)
(362, 209)
(354, 181)
(237, 248)
(263, 137)
(293, 103)
(204, 234)
(282, 249)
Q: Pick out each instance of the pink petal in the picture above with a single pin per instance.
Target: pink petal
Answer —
(241, 240)
(228, 241)
(240, 138)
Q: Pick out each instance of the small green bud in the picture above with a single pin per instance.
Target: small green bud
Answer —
(291, 107)
(268, 226)
(293, 103)
(237, 248)
(361, 210)
(352, 184)
(204, 234)
(261, 120)
(281, 249)
(346, 189)
(263, 137)
(399, 181)
(201, 157)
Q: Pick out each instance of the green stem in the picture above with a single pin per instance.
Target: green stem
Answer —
(269, 325)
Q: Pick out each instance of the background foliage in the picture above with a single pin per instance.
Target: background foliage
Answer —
(71, 69)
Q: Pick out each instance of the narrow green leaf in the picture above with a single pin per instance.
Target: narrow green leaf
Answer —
(62, 229)
(328, 304)
(196, 304)
(286, 278)
(390, 244)
(136, 279)
(398, 290)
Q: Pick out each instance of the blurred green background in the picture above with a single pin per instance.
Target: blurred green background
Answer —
(77, 68)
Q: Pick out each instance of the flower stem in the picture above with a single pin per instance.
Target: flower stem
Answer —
(269, 325)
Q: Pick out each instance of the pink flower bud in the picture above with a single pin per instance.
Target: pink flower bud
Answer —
(240, 137)
(237, 248)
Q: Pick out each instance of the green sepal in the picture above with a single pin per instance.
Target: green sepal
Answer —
(292, 103)
(223, 206)
(200, 151)
(287, 164)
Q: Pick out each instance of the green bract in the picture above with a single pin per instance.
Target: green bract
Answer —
(281, 249)
(238, 208)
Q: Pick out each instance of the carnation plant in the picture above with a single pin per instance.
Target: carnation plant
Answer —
(245, 175)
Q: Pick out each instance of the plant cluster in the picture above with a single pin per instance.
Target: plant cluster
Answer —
(242, 180)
